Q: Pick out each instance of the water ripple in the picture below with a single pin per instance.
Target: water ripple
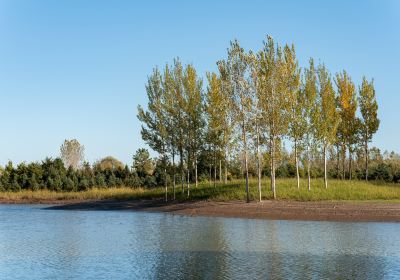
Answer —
(50, 244)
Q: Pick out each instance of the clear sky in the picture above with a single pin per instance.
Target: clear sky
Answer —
(77, 69)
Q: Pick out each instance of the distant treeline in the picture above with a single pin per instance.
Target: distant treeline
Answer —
(254, 104)
(62, 175)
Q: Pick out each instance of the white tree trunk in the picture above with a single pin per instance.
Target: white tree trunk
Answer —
(173, 167)
(182, 173)
(195, 171)
(259, 165)
(259, 176)
(210, 175)
(220, 171)
(225, 167)
(215, 170)
(273, 183)
(325, 169)
(166, 185)
(366, 160)
(246, 165)
(308, 168)
(344, 162)
(297, 163)
(270, 163)
(350, 164)
(188, 182)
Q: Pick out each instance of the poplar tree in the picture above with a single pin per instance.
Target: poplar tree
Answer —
(154, 130)
(353, 140)
(273, 101)
(297, 124)
(240, 98)
(369, 112)
(179, 103)
(311, 113)
(72, 153)
(214, 107)
(329, 116)
(256, 117)
(193, 97)
(347, 103)
(171, 112)
(226, 115)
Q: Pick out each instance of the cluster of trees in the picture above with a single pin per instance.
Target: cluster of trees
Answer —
(70, 173)
(255, 104)
(237, 125)
(383, 167)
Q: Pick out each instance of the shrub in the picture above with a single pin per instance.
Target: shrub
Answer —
(68, 184)
(83, 185)
(382, 173)
(132, 181)
(150, 182)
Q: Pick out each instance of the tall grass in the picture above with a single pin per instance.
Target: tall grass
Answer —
(337, 190)
(234, 190)
(94, 194)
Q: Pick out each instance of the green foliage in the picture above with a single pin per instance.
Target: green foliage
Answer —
(68, 184)
(51, 175)
(369, 109)
(100, 180)
(142, 163)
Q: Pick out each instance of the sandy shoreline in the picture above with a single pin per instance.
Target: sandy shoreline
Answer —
(273, 210)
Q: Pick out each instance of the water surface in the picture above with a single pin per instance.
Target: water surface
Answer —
(64, 244)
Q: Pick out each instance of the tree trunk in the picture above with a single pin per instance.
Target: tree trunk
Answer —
(325, 169)
(337, 161)
(344, 163)
(173, 170)
(166, 185)
(366, 160)
(259, 165)
(273, 167)
(270, 163)
(195, 171)
(308, 168)
(225, 167)
(297, 164)
(246, 166)
(210, 175)
(350, 164)
(220, 171)
(182, 172)
(188, 182)
(215, 169)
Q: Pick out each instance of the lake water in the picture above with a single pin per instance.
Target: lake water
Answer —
(60, 244)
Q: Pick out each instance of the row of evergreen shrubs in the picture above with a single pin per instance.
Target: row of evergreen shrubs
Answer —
(52, 175)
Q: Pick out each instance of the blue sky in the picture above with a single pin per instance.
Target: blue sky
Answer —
(77, 69)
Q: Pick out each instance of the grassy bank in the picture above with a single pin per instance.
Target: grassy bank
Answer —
(286, 189)
(92, 194)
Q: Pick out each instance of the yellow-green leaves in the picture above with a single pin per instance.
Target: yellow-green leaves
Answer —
(369, 109)
(347, 104)
(329, 119)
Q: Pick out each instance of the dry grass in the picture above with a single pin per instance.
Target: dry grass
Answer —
(92, 194)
